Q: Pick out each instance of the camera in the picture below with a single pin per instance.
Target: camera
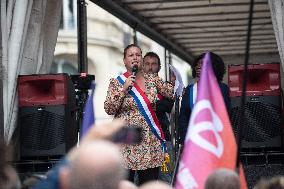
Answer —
(128, 135)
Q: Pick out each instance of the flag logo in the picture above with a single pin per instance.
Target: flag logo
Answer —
(213, 126)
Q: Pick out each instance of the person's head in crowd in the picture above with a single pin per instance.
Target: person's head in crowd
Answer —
(132, 55)
(223, 178)
(125, 184)
(94, 165)
(9, 178)
(276, 182)
(218, 66)
(155, 185)
(151, 63)
(32, 180)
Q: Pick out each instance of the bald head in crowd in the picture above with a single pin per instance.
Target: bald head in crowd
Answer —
(9, 178)
(223, 178)
(155, 185)
(95, 165)
(125, 184)
(276, 182)
(12, 180)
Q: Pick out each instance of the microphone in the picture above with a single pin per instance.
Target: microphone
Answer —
(134, 72)
(134, 69)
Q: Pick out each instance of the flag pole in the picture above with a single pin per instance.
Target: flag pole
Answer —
(244, 86)
(176, 140)
(176, 129)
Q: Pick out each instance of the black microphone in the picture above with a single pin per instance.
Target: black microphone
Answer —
(134, 69)
(134, 72)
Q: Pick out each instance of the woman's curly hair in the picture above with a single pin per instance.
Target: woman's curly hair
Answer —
(218, 65)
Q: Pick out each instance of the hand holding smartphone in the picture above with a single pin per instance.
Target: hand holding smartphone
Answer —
(128, 135)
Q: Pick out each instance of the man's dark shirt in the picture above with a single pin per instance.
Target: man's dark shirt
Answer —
(164, 106)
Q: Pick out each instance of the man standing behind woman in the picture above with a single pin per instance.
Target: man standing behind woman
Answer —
(132, 97)
(152, 64)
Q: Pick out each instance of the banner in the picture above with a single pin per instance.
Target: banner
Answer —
(89, 113)
(210, 142)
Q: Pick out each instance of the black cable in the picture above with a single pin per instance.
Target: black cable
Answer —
(244, 86)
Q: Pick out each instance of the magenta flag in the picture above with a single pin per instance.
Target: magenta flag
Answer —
(210, 142)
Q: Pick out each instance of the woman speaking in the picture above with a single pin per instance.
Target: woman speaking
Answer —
(132, 96)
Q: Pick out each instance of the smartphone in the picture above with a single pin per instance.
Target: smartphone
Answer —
(128, 135)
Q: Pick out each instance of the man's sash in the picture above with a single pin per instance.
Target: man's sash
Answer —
(145, 109)
(192, 95)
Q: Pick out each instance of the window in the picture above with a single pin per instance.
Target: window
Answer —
(69, 15)
(63, 66)
(126, 38)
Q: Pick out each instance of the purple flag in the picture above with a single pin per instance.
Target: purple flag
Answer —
(89, 113)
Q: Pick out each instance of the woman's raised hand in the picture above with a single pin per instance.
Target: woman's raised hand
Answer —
(129, 83)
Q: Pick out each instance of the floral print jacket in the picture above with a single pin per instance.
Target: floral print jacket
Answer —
(147, 154)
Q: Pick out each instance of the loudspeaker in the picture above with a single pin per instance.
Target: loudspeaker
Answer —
(47, 115)
(262, 122)
(256, 172)
(258, 166)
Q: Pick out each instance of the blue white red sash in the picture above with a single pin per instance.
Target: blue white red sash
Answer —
(145, 109)
(192, 95)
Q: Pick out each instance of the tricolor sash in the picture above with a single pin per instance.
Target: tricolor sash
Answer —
(145, 109)
(192, 95)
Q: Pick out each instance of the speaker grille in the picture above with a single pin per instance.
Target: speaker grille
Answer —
(261, 123)
(255, 172)
(47, 116)
(47, 130)
(262, 165)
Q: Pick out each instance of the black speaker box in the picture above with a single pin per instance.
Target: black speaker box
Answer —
(46, 131)
(262, 166)
(47, 116)
(256, 172)
(262, 122)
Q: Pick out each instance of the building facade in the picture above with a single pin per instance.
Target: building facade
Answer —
(107, 37)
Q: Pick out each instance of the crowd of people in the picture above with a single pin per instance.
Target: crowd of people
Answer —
(136, 98)
(97, 164)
